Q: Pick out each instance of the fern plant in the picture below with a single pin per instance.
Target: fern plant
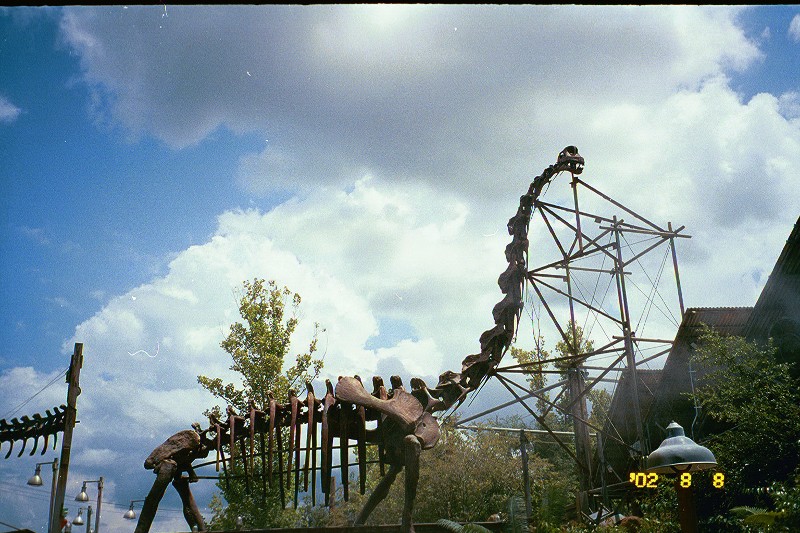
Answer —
(756, 515)
(516, 521)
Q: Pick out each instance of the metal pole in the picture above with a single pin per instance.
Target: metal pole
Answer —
(523, 448)
(54, 464)
(675, 266)
(577, 212)
(578, 408)
(89, 520)
(626, 333)
(99, 501)
(602, 456)
(582, 445)
(73, 378)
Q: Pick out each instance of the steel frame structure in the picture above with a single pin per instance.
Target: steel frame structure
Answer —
(578, 237)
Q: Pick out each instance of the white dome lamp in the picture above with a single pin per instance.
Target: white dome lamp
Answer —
(79, 519)
(678, 454)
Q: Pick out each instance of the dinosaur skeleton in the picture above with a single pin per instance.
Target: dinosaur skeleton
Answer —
(404, 422)
(34, 427)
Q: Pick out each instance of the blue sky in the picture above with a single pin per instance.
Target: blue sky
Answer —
(152, 158)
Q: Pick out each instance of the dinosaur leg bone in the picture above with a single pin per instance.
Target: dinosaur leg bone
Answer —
(165, 472)
(413, 448)
(190, 511)
(379, 494)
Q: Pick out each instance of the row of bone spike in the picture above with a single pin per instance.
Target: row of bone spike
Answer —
(288, 431)
(33, 428)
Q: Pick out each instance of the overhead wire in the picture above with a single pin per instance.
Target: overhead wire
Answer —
(26, 402)
(31, 493)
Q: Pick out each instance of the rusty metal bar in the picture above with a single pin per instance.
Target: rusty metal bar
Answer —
(541, 421)
(598, 351)
(552, 316)
(574, 185)
(626, 331)
(507, 404)
(571, 298)
(560, 263)
(675, 267)
(552, 231)
(611, 200)
(591, 241)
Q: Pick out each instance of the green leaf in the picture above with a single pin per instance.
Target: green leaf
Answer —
(449, 525)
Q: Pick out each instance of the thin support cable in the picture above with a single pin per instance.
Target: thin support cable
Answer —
(594, 292)
(649, 306)
(671, 316)
(23, 404)
(597, 320)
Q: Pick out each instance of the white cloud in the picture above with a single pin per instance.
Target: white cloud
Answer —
(409, 156)
(8, 111)
(374, 254)
(794, 29)
(789, 105)
(37, 235)
(452, 94)
(349, 254)
(20, 383)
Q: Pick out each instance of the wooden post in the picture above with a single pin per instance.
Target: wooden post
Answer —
(687, 512)
(73, 378)
(523, 448)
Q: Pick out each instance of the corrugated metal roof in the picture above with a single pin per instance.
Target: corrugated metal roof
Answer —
(675, 374)
(781, 295)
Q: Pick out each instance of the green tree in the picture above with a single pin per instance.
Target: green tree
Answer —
(469, 476)
(259, 346)
(753, 404)
(566, 358)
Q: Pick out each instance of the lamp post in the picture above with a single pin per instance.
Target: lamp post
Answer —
(36, 481)
(83, 497)
(130, 514)
(89, 519)
(678, 454)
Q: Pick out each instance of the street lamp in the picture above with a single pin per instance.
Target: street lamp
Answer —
(83, 497)
(36, 481)
(78, 519)
(678, 454)
(130, 514)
